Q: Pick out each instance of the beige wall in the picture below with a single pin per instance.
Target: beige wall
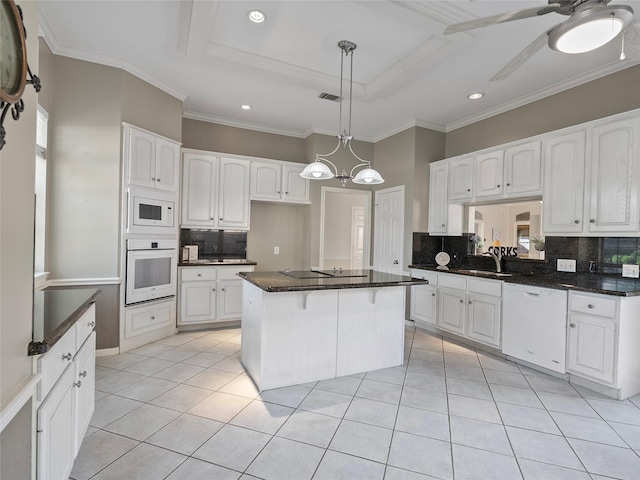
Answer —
(17, 178)
(606, 96)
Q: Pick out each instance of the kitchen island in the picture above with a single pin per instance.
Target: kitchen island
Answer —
(304, 326)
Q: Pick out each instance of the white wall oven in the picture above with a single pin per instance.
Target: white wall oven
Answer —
(151, 212)
(151, 270)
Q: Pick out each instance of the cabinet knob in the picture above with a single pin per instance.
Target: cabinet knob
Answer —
(433, 294)
(593, 220)
(68, 356)
(153, 179)
(278, 192)
(212, 218)
(153, 317)
(572, 325)
(286, 193)
(590, 306)
(508, 185)
(469, 302)
(199, 274)
(83, 373)
(576, 221)
(461, 301)
(497, 186)
(223, 289)
(157, 179)
(468, 189)
(213, 289)
(220, 218)
(442, 225)
(92, 324)
(77, 384)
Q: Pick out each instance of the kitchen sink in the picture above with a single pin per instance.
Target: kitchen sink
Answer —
(485, 273)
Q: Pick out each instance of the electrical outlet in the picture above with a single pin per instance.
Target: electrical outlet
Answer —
(276, 250)
(566, 265)
(631, 271)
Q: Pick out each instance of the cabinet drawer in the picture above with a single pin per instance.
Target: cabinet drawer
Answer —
(601, 306)
(450, 280)
(231, 273)
(85, 325)
(485, 287)
(200, 273)
(425, 275)
(147, 318)
(53, 363)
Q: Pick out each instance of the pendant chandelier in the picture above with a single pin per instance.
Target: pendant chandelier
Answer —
(317, 170)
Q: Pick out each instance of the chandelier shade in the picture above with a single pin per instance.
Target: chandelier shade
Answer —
(317, 170)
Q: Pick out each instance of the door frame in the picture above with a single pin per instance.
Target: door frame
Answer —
(399, 189)
(367, 221)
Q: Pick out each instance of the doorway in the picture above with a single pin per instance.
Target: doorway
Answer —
(345, 228)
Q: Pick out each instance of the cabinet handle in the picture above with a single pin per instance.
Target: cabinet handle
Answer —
(153, 317)
(593, 220)
(83, 373)
(576, 221)
(68, 356)
(92, 324)
(590, 306)
(572, 325)
(77, 384)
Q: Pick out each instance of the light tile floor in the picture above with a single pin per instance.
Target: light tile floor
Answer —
(183, 408)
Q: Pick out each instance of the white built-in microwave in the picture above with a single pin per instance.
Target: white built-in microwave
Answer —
(151, 211)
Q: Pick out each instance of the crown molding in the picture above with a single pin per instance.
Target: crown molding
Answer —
(244, 125)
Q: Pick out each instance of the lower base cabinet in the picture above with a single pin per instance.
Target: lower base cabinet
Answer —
(66, 409)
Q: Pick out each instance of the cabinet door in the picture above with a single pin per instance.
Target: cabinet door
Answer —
(199, 190)
(523, 170)
(564, 158)
(197, 302)
(167, 165)
(57, 430)
(461, 179)
(438, 200)
(484, 319)
(233, 199)
(295, 188)
(423, 304)
(265, 181)
(84, 386)
(452, 311)
(591, 346)
(489, 174)
(615, 178)
(142, 158)
(230, 299)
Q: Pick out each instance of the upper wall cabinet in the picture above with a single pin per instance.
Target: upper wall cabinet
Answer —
(215, 191)
(152, 161)
(275, 181)
(523, 170)
(444, 218)
(488, 174)
(461, 179)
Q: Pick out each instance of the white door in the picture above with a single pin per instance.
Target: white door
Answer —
(357, 238)
(488, 174)
(167, 165)
(234, 203)
(389, 230)
(199, 190)
(461, 179)
(142, 158)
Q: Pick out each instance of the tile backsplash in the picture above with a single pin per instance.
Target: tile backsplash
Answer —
(609, 253)
(216, 244)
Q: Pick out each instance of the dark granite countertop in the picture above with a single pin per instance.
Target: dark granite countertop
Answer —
(55, 310)
(582, 282)
(204, 262)
(281, 282)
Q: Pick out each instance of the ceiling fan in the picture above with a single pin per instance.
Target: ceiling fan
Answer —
(591, 24)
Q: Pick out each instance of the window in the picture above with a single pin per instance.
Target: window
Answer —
(40, 191)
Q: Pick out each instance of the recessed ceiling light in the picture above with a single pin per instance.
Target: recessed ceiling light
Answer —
(256, 16)
(475, 95)
(245, 107)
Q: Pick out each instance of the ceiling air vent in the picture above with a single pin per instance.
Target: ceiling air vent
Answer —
(329, 96)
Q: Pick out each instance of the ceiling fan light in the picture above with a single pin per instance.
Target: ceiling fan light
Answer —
(590, 29)
(316, 171)
(368, 176)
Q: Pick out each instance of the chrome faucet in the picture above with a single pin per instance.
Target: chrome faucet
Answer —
(496, 258)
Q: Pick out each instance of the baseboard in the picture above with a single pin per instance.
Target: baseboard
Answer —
(73, 282)
(105, 352)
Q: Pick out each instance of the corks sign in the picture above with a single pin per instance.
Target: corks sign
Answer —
(504, 251)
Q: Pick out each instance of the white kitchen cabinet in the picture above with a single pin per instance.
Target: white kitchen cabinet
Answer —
(615, 178)
(523, 170)
(484, 311)
(488, 174)
(602, 343)
(452, 312)
(233, 201)
(199, 190)
(275, 181)
(210, 294)
(444, 218)
(461, 179)
(215, 191)
(563, 190)
(148, 322)
(424, 298)
(67, 394)
(152, 161)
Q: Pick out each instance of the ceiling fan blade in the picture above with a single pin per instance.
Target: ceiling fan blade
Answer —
(517, 61)
(504, 17)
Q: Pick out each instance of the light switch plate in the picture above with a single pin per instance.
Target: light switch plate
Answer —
(631, 271)
(566, 265)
